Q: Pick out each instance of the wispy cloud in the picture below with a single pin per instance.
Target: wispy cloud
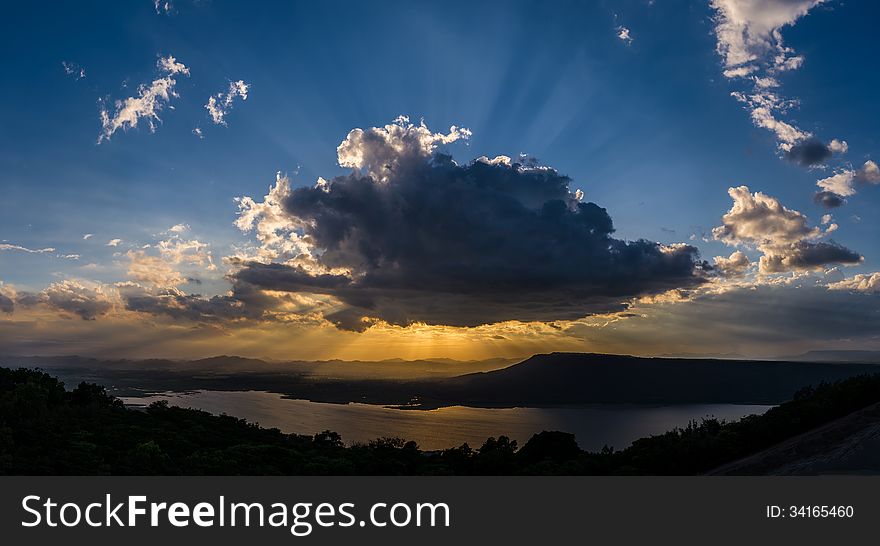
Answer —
(219, 105)
(19, 248)
(624, 35)
(160, 264)
(150, 100)
(163, 8)
(749, 40)
(73, 70)
(48, 250)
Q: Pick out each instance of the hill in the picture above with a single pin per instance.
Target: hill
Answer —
(392, 369)
(541, 380)
(574, 378)
(848, 445)
(837, 356)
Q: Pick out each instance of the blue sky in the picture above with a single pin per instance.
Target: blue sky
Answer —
(646, 129)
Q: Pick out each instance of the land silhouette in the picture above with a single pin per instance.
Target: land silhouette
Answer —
(542, 380)
(48, 429)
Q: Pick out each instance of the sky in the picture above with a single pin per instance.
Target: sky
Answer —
(416, 180)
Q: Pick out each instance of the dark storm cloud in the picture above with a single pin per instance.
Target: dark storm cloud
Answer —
(441, 243)
(809, 153)
(828, 199)
(287, 278)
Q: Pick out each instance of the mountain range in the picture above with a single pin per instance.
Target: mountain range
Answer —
(541, 380)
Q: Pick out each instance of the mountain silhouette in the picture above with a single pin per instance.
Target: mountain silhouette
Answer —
(572, 378)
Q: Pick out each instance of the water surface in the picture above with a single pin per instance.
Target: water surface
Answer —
(594, 425)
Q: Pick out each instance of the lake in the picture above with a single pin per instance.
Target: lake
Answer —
(594, 425)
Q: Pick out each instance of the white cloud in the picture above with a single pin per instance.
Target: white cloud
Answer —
(19, 248)
(497, 160)
(784, 237)
(869, 173)
(169, 64)
(182, 251)
(48, 250)
(220, 104)
(160, 264)
(766, 82)
(787, 134)
(861, 283)
(739, 71)
(749, 41)
(844, 183)
(783, 63)
(73, 70)
(153, 270)
(161, 7)
(734, 265)
(198, 132)
(114, 242)
(748, 31)
(838, 146)
(380, 150)
(624, 35)
(88, 236)
(150, 101)
(761, 219)
(278, 232)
